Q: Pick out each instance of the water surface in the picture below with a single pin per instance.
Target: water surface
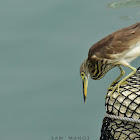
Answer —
(42, 44)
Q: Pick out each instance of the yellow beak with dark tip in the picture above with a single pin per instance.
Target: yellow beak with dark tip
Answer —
(85, 85)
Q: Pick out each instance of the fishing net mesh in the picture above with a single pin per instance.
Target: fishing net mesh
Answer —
(124, 104)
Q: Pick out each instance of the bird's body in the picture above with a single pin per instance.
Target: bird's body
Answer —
(118, 48)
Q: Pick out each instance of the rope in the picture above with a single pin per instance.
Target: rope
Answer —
(123, 118)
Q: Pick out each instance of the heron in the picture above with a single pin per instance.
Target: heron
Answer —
(115, 50)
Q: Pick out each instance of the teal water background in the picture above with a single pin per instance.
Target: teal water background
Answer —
(42, 45)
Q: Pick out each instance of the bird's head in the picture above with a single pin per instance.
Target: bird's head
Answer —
(84, 73)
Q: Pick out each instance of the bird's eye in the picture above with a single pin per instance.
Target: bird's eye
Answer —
(82, 74)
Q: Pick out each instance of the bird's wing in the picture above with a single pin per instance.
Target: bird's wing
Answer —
(115, 43)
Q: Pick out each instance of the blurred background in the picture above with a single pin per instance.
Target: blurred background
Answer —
(42, 45)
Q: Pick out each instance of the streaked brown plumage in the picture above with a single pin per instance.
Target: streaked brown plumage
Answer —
(118, 48)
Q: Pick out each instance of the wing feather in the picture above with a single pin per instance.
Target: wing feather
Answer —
(115, 43)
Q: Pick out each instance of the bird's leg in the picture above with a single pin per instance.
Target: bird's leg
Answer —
(116, 80)
(125, 78)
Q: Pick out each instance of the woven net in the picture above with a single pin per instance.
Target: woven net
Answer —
(124, 104)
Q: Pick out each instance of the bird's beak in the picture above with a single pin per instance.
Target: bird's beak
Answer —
(85, 85)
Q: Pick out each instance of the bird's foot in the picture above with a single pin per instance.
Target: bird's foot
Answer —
(111, 86)
(116, 87)
(123, 83)
(113, 89)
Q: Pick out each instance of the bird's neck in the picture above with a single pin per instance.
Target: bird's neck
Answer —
(85, 66)
(97, 69)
